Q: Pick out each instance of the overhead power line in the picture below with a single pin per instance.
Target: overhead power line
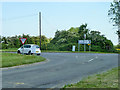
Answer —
(19, 17)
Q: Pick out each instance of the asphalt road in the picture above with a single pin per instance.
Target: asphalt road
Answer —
(60, 69)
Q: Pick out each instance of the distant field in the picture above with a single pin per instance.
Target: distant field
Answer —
(107, 79)
(11, 59)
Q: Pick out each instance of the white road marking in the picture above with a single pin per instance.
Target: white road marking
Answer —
(92, 59)
(19, 83)
(76, 56)
(96, 57)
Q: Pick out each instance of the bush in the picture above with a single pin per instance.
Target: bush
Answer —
(66, 47)
(0, 46)
(51, 46)
(95, 48)
(4, 46)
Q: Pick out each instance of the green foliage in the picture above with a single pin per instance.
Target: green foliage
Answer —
(0, 45)
(66, 47)
(14, 42)
(4, 46)
(96, 48)
(51, 46)
(117, 47)
(64, 40)
(114, 13)
(83, 29)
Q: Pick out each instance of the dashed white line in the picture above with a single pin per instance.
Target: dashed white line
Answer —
(90, 60)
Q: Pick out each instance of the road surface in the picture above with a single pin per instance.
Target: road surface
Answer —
(60, 69)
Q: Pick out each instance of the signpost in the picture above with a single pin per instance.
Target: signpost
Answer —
(84, 42)
(89, 46)
(23, 40)
(73, 48)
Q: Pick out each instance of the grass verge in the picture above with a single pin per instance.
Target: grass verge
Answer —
(15, 50)
(11, 59)
(107, 79)
(78, 52)
(10, 49)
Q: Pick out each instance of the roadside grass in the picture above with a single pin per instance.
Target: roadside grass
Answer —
(54, 51)
(12, 59)
(107, 79)
(9, 49)
(76, 51)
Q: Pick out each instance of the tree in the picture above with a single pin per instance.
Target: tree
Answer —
(4, 39)
(83, 30)
(114, 13)
(64, 39)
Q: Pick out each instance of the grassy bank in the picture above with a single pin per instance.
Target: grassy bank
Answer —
(11, 59)
(107, 79)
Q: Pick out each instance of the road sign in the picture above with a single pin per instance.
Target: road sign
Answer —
(84, 41)
(88, 44)
(23, 40)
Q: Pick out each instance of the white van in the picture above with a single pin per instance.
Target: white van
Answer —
(29, 49)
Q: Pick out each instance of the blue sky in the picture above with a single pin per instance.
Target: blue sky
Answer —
(22, 17)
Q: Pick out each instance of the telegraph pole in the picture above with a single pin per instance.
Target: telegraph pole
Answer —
(118, 23)
(84, 42)
(118, 34)
(40, 28)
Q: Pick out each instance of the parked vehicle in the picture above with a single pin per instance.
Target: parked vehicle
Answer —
(29, 49)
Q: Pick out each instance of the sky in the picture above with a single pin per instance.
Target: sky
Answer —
(23, 17)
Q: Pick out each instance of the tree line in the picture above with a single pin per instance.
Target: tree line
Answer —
(63, 40)
(14, 41)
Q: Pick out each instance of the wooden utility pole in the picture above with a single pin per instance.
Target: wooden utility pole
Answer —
(40, 28)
